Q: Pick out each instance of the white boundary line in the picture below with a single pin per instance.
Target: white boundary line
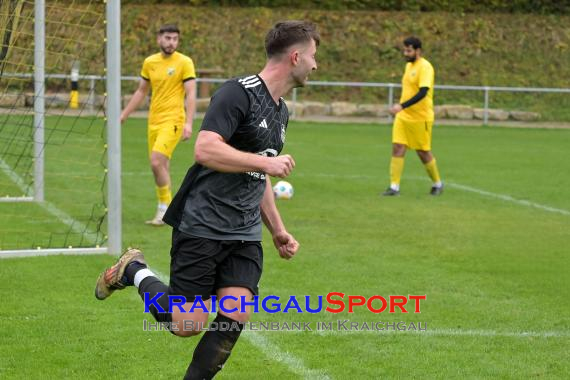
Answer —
(503, 197)
(75, 225)
(259, 339)
(14, 177)
(450, 332)
(272, 351)
(508, 198)
(295, 364)
(65, 218)
(454, 185)
(52, 251)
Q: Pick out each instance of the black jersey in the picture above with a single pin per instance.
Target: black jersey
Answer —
(226, 206)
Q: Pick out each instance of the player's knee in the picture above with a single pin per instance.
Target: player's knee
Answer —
(398, 149)
(425, 156)
(155, 163)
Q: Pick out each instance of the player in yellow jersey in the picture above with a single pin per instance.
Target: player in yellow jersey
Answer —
(414, 118)
(171, 76)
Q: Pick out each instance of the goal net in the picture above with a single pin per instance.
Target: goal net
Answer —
(53, 132)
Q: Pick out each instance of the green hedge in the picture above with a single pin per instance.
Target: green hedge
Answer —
(468, 6)
(359, 46)
(365, 46)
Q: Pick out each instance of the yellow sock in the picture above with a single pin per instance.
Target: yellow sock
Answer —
(396, 169)
(164, 194)
(433, 173)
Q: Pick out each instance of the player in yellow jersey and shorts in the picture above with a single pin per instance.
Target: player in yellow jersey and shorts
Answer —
(413, 124)
(171, 77)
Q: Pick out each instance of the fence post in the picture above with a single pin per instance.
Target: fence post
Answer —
(486, 106)
(91, 96)
(196, 92)
(390, 99)
(294, 99)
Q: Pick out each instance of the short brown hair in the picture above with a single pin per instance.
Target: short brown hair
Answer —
(168, 28)
(288, 33)
(413, 42)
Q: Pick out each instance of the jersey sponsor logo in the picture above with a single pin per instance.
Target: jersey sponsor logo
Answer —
(263, 124)
(256, 175)
(266, 153)
(170, 71)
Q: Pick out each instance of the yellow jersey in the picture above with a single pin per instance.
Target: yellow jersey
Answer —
(167, 76)
(418, 74)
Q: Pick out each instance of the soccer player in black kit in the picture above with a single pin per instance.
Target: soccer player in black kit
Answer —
(219, 209)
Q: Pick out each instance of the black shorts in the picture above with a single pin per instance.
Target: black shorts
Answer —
(200, 266)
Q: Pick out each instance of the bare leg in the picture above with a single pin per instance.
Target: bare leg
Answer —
(160, 165)
(398, 150)
(425, 156)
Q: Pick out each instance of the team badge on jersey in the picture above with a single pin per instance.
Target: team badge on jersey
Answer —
(170, 71)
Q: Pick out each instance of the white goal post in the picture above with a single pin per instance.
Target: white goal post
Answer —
(32, 136)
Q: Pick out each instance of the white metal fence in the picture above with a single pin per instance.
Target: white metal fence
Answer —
(486, 90)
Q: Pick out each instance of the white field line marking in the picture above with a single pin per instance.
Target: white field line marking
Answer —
(503, 197)
(321, 175)
(508, 198)
(14, 177)
(65, 218)
(75, 225)
(427, 332)
(450, 332)
(271, 350)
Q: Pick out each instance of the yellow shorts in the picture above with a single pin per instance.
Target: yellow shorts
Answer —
(163, 138)
(414, 134)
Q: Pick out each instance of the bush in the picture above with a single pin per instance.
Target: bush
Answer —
(467, 6)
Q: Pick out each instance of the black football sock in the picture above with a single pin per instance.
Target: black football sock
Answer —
(153, 286)
(214, 348)
(130, 272)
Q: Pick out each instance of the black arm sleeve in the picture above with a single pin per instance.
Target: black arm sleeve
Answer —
(416, 98)
(228, 109)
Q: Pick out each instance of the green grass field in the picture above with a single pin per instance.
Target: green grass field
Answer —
(75, 160)
(491, 255)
